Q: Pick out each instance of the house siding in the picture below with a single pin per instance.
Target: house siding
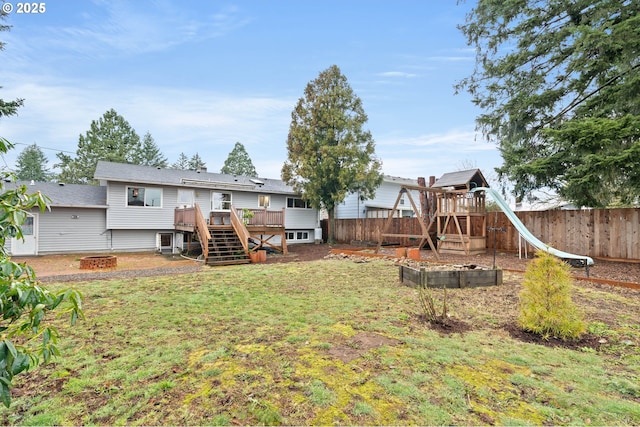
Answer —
(121, 216)
(72, 230)
(137, 240)
(386, 195)
(350, 208)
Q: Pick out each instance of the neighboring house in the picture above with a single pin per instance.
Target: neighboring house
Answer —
(134, 209)
(381, 205)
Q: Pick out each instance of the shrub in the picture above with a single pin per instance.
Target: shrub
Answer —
(428, 305)
(546, 307)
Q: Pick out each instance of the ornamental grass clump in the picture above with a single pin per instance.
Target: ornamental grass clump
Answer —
(546, 307)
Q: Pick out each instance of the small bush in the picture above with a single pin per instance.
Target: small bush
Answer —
(546, 307)
(428, 305)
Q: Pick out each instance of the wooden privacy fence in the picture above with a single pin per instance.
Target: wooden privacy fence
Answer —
(607, 233)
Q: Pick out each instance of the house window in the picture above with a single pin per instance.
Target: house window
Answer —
(185, 197)
(220, 201)
(264, 201)
(297, 235)
(294, 202)
(142, 196)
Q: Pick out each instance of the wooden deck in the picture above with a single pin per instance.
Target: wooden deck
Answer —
(259, 225)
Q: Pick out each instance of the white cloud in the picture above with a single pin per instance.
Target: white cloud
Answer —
(186, 121)
(397, 74)
(118, 27)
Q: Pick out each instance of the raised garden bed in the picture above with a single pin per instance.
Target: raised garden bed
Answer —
(450, 276)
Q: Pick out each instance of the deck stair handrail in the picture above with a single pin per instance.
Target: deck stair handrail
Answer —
(203, 231)
(240, 229)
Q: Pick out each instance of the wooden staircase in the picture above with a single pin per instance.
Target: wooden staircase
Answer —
(225, 248)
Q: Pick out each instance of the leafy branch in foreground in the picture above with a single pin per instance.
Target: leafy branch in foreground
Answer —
(26, 339)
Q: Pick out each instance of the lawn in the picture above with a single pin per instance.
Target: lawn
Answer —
(326, 342)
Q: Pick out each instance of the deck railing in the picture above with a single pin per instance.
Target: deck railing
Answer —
(185, 216)
(192, 217)
(262, 217)
(203, 232)
(240, 229)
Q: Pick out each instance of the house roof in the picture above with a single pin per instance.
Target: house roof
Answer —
(461, 179)
(121, 172)
(399, 180)
(67, 195)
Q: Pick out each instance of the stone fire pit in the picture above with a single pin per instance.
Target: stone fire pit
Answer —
(99, 261)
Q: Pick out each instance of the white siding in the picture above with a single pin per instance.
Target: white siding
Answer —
(385, 196)
(350, 207)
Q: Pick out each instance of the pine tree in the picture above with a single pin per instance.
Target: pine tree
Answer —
(110, 138)
(182, 163)
(31, 164)
(558, 83)
(239, 163)
(151, 154)
(196, 162)
(546, 307)
(330, 155)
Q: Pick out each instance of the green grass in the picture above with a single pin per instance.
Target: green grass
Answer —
(258, 344)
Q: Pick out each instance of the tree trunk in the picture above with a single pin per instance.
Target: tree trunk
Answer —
(331, 238)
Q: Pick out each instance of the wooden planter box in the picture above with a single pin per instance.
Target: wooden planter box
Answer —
(449, 278)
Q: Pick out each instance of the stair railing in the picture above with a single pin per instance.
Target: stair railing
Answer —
(203, 232)
(240, 229)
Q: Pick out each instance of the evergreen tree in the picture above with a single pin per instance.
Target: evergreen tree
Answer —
(196, 162)
(182, 163)
(329, 153)
(559, 85)
(31, 164)
(8, 108)
(546, 307)
(239, 163)
(110, 138)
(151, 154)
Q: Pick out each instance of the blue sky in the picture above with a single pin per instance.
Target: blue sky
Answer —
(202, 75)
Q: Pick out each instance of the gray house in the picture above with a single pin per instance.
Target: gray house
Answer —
(380, 206)
(141, 208)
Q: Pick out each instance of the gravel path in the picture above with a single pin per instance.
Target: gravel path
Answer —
(109, 275)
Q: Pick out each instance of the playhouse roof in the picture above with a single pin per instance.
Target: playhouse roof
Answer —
(462, 180)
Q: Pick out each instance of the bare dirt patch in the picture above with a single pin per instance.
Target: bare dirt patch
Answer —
(47, 266)
(359, 344)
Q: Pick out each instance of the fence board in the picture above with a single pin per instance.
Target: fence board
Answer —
(607, 233)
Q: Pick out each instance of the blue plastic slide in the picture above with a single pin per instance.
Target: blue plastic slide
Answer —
(525, 233)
